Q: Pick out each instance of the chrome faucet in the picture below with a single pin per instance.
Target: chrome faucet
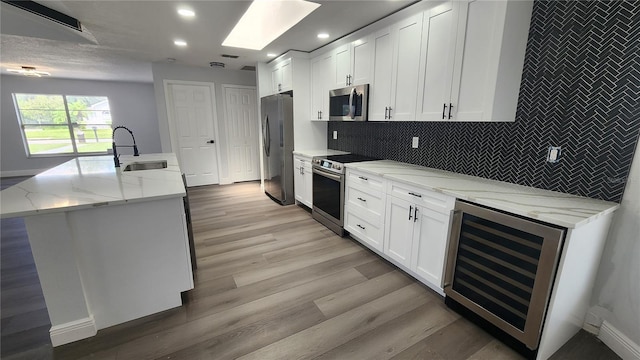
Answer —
(116, 157)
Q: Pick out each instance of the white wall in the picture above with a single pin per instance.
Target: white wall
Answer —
(132, 105)
(163, 71)
(617, 287)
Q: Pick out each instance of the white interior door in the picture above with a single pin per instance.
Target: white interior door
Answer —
(242, 126)
(192, 110)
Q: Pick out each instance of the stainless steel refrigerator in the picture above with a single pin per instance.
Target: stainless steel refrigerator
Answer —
(277, 147)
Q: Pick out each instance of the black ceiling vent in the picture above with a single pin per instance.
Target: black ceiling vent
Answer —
(230, 56)
(216, 64)
(248, 68)
(41, 10)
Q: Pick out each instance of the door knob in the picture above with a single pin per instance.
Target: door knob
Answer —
(211, 142)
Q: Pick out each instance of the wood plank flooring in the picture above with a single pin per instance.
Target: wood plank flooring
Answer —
(271, 283)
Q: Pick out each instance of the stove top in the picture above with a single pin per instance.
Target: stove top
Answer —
(348, 158)
(335, 163)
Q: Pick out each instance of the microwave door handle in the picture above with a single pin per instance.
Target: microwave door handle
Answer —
(352, 113)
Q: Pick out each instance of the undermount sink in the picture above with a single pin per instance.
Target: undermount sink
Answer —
(146, 165)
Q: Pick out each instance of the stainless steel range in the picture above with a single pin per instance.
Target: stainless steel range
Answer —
(328, 189)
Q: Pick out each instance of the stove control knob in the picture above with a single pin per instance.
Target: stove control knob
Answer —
(337, 166)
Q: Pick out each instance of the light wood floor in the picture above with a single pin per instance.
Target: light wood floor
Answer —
(271, 284)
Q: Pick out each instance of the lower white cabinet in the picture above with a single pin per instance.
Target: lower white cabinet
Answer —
(431, 234)
(407, 225)
(303, 180)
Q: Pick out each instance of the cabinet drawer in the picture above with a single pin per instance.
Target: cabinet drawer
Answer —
(419, 196)
(363, 230)
(365, 182)
(369, 202)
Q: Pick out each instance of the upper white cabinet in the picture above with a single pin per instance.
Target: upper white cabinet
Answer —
(353, 63)
(322, 74)
(395, 65)
(472, 58)
(281, 78)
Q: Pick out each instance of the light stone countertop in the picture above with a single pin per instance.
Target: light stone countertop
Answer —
(92, 181)
(319, 152)
(553, 207)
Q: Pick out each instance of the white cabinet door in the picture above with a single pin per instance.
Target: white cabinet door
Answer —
(436, 64)
(307, 197)
(399, 230)
(298, 180)
(490, 49)
(429, 245)
(286, 76)
(276, 79)
(281, 76)
(406, 66)
(343, 67)
(321, 74)
(361, 59)
(380, 89)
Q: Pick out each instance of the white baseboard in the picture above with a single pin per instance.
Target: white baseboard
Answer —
(73, 331)
(618, 342)
(14, 173)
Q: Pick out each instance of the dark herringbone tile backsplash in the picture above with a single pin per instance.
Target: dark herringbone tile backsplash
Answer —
(580, 90)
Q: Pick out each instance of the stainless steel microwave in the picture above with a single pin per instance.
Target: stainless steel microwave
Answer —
(349, 103)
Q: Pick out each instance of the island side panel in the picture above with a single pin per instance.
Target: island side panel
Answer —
(134, 258)
(573, 286)
(55, 258)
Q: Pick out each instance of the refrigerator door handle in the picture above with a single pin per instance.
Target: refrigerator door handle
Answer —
(266, 137)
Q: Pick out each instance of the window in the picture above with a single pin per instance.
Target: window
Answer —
(64, 124)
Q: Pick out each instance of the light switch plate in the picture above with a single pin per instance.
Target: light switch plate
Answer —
(335, 135)
(414, 142)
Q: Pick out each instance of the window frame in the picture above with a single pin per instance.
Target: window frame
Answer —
(70, 127)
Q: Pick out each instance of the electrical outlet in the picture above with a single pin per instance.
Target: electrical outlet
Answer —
(414, 142)
(553, 154)
(335, 135)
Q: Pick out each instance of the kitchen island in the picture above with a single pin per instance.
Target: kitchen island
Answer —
(109, 245)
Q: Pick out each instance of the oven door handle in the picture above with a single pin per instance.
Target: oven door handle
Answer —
(327, 174)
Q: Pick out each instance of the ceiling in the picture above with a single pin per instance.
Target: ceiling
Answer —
(121, 39)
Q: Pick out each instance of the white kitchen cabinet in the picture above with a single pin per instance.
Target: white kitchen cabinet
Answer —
(281, 76)
(365, 208)
(417, 230)
(322, 72)
(303, 180)
(342, 62)
(399, 230)
(353, 63)
(437, 59)
(395, 65)
(430, 245)
(472, 58)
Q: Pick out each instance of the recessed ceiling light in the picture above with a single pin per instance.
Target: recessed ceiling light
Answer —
(29, 71)
(265, 20)
(180, 43)
(186, 12)
(323, 36)
(271, 55)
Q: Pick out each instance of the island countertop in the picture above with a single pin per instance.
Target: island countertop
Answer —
(92, 181)
(553, 207)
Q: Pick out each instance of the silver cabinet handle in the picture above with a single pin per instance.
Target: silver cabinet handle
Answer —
(385, 112)
(414, 194)
(415, 214)
(444, 108)
(211, 142)
(450, 107)
(410, 210)
(389, 112)
(361, 227)
(320, 115)
(363, 178)
(361, 199)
